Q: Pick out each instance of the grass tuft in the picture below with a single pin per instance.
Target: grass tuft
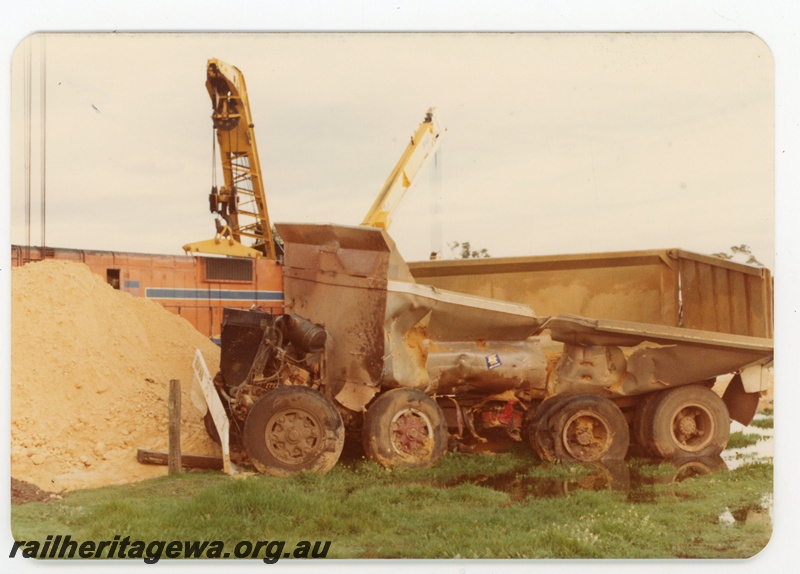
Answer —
(765, 423)
(739, 439)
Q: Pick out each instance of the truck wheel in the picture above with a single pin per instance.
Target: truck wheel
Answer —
(234, 434)
(293, 429)
(642, 417)
(589, 428)
(537, 430)
(211, 428)
(404, 428)
(688, 421)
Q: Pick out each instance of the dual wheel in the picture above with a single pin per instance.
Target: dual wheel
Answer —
(688, 421)
(578, 427)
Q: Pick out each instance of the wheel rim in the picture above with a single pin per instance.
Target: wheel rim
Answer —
(411, 434)
(294, 436)
(693, 427)
(586, 436)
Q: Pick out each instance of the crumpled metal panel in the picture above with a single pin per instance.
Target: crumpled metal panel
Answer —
(459, 317)
(487, 367)
(672, 366)
(417, 314)
(353, 282)
(584, 368)
(672, 356)
(584, 331)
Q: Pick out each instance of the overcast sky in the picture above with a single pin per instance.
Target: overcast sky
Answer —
(554, 143)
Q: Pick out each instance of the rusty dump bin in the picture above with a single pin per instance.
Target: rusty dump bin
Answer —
(404, 356)
(387, 330)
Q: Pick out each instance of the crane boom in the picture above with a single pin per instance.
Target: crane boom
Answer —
(423, 143)
(240, 203)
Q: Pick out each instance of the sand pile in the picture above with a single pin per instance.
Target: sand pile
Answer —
(90, 372)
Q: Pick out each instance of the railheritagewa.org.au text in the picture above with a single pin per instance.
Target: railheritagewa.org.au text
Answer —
(64, 547)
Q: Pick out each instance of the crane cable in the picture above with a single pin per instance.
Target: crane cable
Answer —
(437, 241)
(213, 157)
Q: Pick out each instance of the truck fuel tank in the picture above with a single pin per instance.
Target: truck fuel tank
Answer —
(486, 367)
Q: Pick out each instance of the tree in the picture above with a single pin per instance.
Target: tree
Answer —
(742, 253)
(463, 250)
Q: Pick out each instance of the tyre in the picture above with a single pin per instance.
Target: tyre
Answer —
(291, 430)
(234, 433)
(211, 428)
(404, 428)
(688, 421)
(589, 428)
(642, 417)
(537, 429)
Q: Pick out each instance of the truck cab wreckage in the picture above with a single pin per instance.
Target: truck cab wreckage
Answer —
(367, 352)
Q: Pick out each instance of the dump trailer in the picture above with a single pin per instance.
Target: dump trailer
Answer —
(368, 352)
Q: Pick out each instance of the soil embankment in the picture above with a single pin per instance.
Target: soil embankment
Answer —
(90, 372)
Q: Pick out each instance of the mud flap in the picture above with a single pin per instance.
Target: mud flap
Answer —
(741, 405)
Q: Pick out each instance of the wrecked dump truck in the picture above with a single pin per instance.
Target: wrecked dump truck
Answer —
(367, 352)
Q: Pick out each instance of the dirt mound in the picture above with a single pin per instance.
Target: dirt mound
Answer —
(90, 372)
(23, 492)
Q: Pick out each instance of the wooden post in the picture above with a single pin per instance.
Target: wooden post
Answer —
(174, 461)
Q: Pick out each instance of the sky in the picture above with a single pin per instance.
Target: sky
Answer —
(552, 143)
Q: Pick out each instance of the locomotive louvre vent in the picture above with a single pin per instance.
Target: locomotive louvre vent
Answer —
(229, 269)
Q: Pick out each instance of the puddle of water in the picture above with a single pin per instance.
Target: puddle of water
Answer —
(763, 450)
(521, 486)
(644, 480)
(637, 480)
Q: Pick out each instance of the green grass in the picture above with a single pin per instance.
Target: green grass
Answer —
(468, 506)
(766, 423)
(739, 439)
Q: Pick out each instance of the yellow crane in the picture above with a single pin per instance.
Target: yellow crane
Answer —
(422, 145)
(240, 203)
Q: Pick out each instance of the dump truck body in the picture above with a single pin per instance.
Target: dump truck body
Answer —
(410, 365)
